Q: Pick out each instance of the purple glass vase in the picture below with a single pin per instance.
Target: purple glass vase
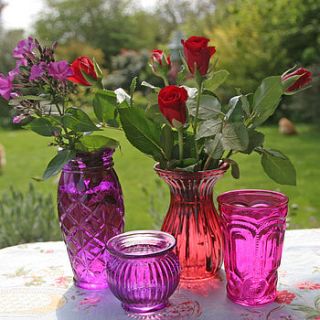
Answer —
(254, 223)
(91, 211)
(143, 272)
(193, 220)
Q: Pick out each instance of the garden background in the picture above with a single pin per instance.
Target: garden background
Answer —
(254, 38)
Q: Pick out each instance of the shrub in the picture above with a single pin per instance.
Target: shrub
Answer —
(27, 217)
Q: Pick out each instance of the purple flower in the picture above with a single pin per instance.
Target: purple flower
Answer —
(13, 73)
(6, 84)
(18, 119)
(24, 46)
(37, 71)
(59, 70)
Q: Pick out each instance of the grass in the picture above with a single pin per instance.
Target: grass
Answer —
(28, 154)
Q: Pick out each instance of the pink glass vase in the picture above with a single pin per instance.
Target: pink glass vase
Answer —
(193, 220)
(91, 211)
(254, 223)
(143, 272)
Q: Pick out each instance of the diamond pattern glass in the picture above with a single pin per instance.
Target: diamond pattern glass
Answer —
(91, 211)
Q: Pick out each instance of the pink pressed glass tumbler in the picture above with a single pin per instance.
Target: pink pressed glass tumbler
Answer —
(253, 223)
(142, 271)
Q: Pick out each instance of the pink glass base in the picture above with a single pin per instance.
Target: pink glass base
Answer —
(252, 301)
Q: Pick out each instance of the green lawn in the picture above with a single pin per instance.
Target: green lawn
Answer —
(28, 154)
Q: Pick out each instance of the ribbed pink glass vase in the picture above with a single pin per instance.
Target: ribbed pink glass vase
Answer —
(193, 220)
(254, 223)
(91, 211)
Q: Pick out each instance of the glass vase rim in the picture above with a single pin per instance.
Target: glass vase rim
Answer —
(82, 154)
(281, 198)
(136, 233)
(224, 166)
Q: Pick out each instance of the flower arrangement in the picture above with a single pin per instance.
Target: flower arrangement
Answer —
(40, 90)
(191, 129)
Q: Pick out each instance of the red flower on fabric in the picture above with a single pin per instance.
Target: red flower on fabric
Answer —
(85, 65)
(172, 103)
(308, 286)
(197, 54)
(303, 81)
(285, 297)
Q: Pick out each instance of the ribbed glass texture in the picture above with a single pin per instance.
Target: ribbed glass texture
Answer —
(91, 211)
(193, 220)
(143, 272)
(254, 223)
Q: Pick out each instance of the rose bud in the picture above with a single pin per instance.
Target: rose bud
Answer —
(300, 83)
(198, 54)
(83, 65)
(158, 56)
(172, 103)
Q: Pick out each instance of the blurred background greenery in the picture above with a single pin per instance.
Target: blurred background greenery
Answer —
(254, 38)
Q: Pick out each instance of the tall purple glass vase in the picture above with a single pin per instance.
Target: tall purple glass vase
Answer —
(91, 211)
(254, 223)
(143, 272)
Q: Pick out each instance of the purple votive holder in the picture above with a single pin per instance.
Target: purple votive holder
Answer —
(254, 223)
(142, 271)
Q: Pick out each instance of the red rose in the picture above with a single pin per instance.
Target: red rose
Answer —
(303, 81)
(158, 56)
(172, 103)
(85, 65)
(198, 54)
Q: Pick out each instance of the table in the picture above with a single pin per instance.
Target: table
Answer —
(36, 283)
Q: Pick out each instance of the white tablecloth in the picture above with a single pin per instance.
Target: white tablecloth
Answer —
(36, 283)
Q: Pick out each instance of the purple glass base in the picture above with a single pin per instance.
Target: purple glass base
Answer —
(137, 309)
(90, 286)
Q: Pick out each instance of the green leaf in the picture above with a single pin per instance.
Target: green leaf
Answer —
(234, 112)
(141, 132)
(218, 78)
(266, 99)
(78, 121)
(210, 107)
(57, 163)
(153, 113)
(235, 170)
(213, 147)
(104, 105)
(97, 68)
(209, 128)
(278, 167)
(96, 142)
(133, 86)
(256, 139)
(167, 141)
(235, 136)
(42, 126)
(91, 80)
(245, 105)
(33, 98)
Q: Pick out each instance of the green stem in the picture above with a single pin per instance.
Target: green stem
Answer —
(165, 80)
(229, 154)
(207, 163)
(180, 137)
(195, 122)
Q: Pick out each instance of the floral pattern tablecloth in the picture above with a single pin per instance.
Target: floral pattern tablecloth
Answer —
(36, 283)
